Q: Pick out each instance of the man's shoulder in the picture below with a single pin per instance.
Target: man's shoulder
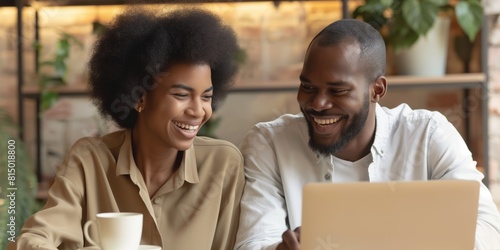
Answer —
(290, 129)
(284, 121)
(403, 113)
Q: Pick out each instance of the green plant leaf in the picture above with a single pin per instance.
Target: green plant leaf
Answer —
(440, 2)
(71, 39)
(60, 68)
(37, 45)
(463, 48)
(401, 35)
(47, 81)
(419, 15)
(46, 63)
(62, 50)
(470, 17)
(44, 81)
(25, 180)
(386, 3)
(403, 38)
(47, 99)
(372, 13)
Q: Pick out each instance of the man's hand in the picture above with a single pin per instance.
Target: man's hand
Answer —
(290, 240)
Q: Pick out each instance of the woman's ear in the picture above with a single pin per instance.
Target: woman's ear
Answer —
(140, 105)
(379, 88)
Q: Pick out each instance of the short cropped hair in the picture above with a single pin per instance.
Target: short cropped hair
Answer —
(371, 43)
(141, 43)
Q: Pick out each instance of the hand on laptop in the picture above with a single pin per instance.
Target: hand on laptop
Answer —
(290, 240)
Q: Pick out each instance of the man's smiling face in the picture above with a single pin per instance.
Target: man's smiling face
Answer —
(333, 96)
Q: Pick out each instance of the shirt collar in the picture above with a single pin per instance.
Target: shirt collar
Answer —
(188, 169)
(125, 163)
(381, 130)
(125, 159)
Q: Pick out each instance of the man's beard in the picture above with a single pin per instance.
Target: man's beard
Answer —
(358, 123)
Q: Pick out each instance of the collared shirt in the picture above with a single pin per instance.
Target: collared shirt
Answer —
(197, 208)
(408, 145)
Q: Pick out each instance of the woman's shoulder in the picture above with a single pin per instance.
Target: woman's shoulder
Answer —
(108, 142)
(216, 144)
(214, 156)
(211, 145)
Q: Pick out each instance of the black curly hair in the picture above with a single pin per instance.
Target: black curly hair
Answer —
(141, 43)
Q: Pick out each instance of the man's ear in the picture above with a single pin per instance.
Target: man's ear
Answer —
(378, 89)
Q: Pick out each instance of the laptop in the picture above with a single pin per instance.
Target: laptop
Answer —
(421, 215)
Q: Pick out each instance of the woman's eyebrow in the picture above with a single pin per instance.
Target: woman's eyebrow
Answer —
(209, 89)
(182, 86)
(188, 88)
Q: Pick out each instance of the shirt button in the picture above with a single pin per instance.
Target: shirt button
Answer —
(156, 201)
(328, 176)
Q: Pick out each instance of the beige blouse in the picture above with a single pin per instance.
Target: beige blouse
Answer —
(197, 208)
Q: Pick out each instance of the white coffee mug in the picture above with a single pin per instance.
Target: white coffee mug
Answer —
(149, 247)
(90, 248)
(117, 230)
(141, 247)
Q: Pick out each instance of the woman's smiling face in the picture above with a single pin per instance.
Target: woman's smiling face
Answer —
(178, 106)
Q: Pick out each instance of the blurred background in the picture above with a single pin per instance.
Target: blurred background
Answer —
(43, 78)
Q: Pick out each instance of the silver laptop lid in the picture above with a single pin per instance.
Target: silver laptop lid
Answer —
(393, 215)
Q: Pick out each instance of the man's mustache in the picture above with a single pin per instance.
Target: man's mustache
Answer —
(317, 113)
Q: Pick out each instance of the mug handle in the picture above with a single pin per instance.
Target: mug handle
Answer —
(86, 232)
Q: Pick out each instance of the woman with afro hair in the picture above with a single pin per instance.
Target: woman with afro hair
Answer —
(157, 75)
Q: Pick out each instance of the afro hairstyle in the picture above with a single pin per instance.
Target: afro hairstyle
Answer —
(141, 43)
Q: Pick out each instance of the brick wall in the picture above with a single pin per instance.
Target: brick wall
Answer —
(492, 8)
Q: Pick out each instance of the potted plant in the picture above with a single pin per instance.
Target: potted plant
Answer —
(18, 184)
(407, 20)
(403, 23)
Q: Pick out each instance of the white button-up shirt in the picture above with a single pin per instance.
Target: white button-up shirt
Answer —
(409, 145)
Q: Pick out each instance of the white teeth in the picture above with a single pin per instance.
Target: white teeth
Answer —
(186, 126)
(326, 121)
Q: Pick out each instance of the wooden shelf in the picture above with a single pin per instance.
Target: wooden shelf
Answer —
(8, 3)
(33, 91)
(12, 3)
(472, 80)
